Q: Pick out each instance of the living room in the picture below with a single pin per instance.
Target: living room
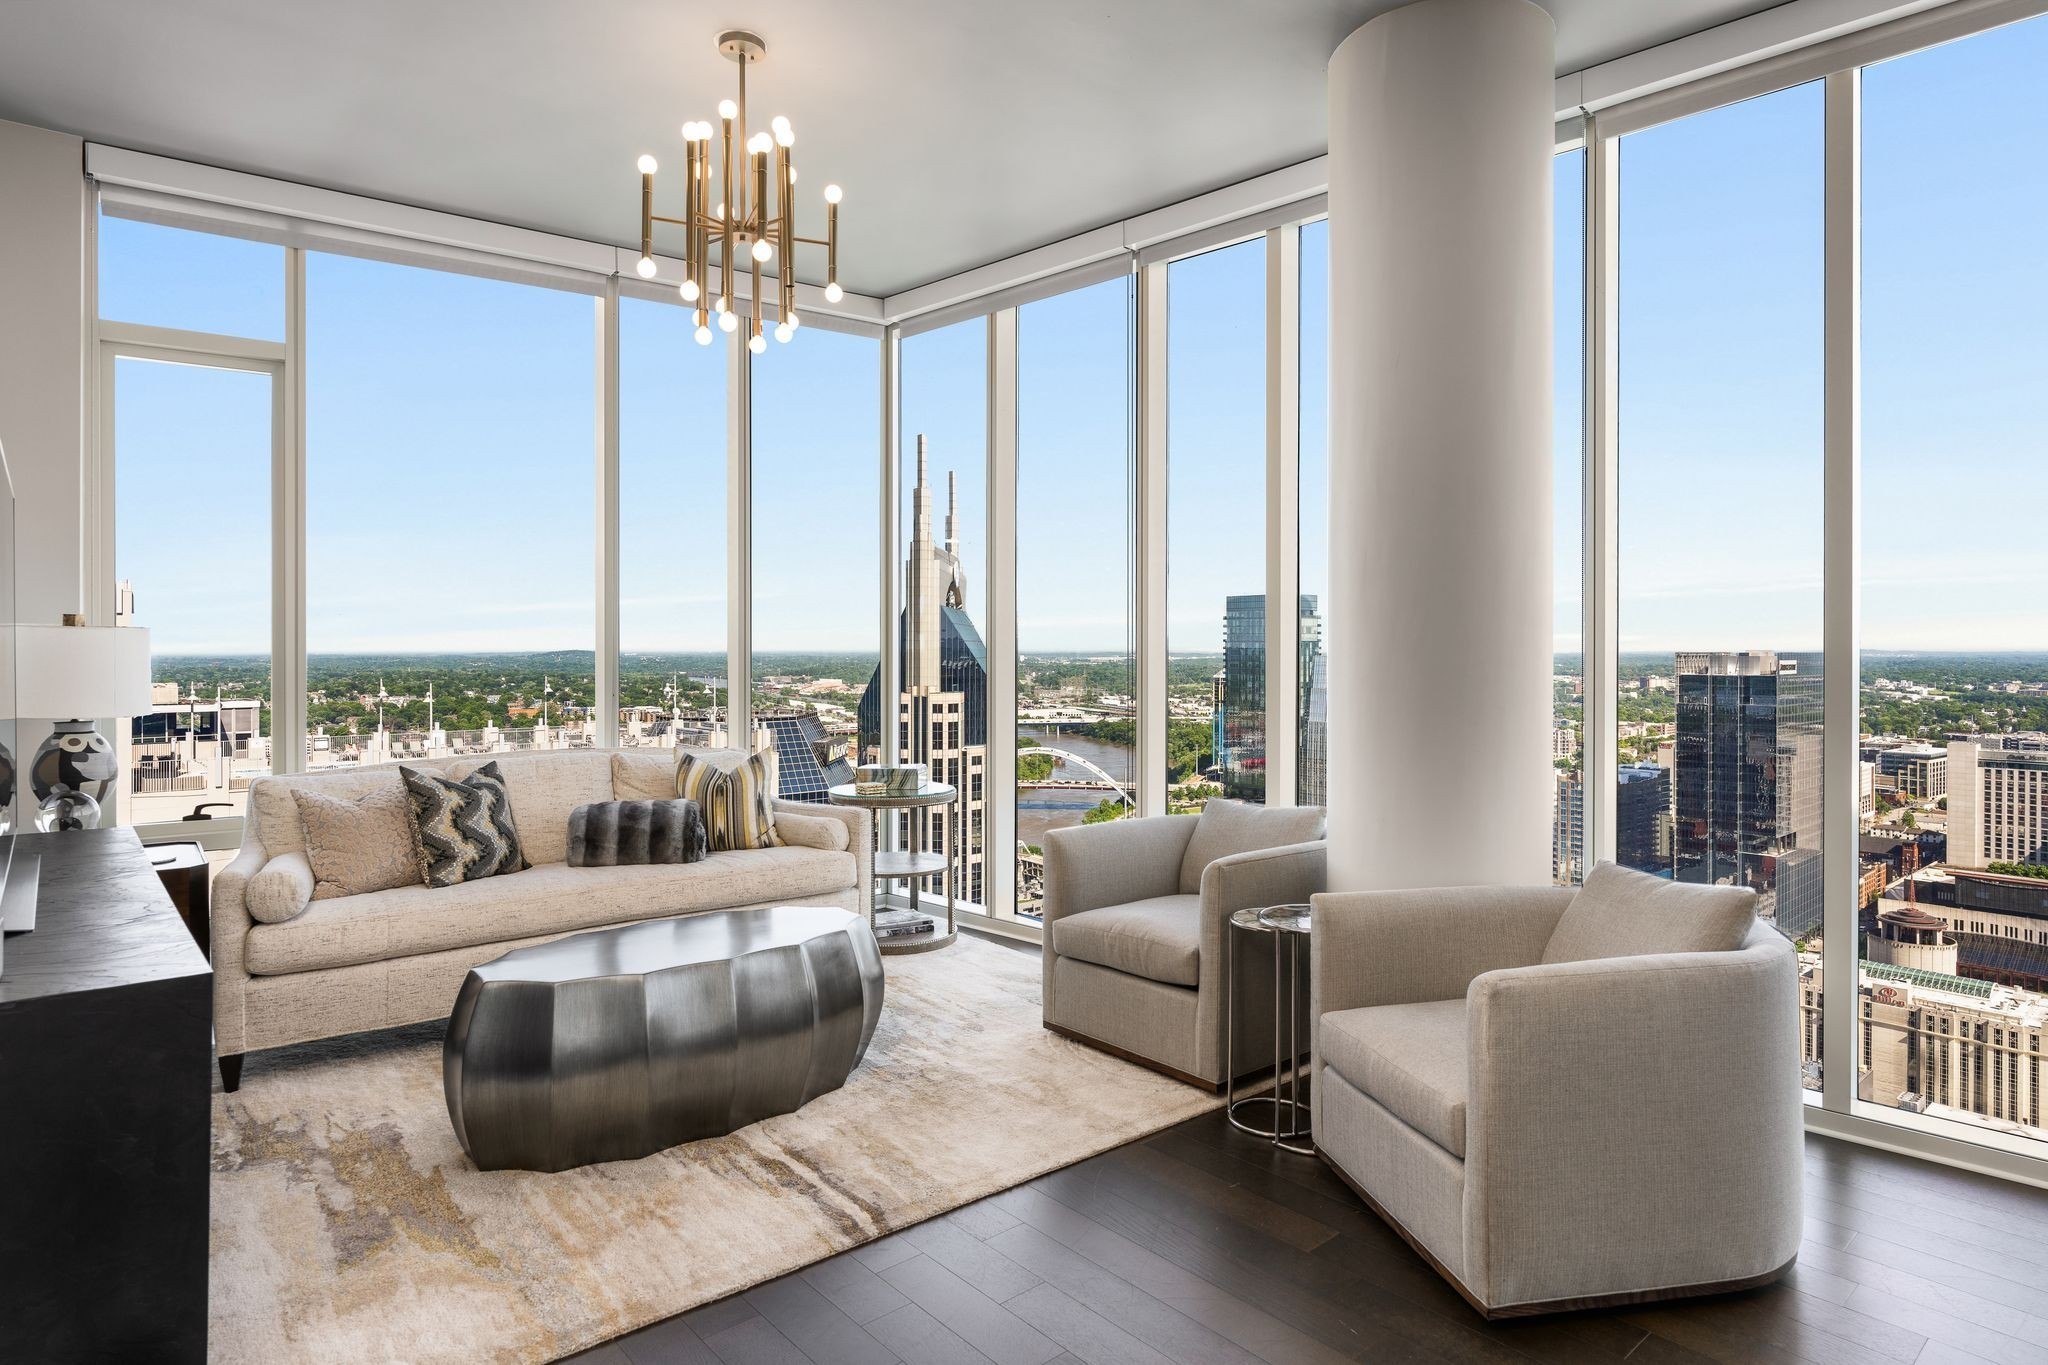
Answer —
(641, 719)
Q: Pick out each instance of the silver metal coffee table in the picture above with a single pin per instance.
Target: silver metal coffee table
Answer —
(618, 1043)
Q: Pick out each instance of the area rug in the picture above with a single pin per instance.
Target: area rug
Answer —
(349, 1226)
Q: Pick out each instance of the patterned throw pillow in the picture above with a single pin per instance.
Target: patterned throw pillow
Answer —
(739, 811)
(463, 830)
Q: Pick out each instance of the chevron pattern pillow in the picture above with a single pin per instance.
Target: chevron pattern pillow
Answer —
(739, 810)
(463, 831)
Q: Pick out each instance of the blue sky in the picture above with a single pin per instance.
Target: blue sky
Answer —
(450, 420)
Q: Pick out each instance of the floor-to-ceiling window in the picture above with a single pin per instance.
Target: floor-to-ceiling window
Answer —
(193, 435)
(450, 513)
(1312, 638)
(1953, 906)
(1567, 518)
(673, 683)
(941, 714)
(1216, 618)
(816, 423)
(1721, 518)
(1076, 662)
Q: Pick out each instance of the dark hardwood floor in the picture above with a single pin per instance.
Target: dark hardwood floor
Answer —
(1201, 1246)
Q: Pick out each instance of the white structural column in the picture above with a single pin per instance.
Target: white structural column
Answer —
(1440, 461)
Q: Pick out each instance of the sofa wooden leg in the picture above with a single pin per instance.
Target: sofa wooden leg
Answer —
(231, 1073)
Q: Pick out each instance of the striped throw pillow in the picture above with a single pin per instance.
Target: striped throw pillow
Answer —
(739, 810)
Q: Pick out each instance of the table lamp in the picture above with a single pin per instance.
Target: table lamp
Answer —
(70, 671)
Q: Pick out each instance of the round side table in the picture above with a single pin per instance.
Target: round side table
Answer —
(1286, 1112)
(913, 864)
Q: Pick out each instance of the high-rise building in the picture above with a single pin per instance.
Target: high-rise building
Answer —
(1997, 802)
(1918, 771)
(1314, 759)
(1568, 829)
(1240, 724)
(1642, 817)
(1747, 778)
(942, 712)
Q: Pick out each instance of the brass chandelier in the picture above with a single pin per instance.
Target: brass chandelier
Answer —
(738, 223)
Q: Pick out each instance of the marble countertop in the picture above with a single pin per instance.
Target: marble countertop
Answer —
(103, 920)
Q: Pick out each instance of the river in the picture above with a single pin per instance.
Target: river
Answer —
(1042, 808)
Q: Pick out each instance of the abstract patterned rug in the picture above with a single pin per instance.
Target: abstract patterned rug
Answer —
(349, 1226)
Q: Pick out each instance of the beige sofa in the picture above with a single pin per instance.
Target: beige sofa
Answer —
(1565, 1099)
(383, 958)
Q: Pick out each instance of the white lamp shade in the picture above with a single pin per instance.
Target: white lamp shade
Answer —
(82, 672)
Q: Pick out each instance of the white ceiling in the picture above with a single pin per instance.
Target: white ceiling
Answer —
(963, 130)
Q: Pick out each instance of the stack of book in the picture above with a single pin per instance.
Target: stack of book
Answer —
(899, 923)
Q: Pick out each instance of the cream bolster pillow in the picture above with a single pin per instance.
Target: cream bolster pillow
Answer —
(281, 889)
(812, 831)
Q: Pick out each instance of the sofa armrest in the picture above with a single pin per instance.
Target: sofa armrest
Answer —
(229, 918)
(860, 841)
(806, 830)
(1404, 947)
(1089, 866)
(1617, 1100)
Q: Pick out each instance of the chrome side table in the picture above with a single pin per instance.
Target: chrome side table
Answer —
(1287, 1111)
(915, 863)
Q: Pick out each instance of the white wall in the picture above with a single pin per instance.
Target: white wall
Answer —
(1440, 462)
(44, 218)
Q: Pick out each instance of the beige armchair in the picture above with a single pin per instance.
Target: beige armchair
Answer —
(1564, 1099)
(1135, 917)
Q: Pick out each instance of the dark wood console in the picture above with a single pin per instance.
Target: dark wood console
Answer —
(106, 1044)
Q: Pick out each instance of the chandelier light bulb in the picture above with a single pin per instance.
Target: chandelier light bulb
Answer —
(784, 137)
(728, 110)
(703, 336)
(792, 322)
(832, 194)
(757, 343)
(780, 123)
(783, 331)
(728, 320)
(646, 164)
(763, 250)
(722, 304)
(645, 267)
(792, 175)
(833, 293)
(688, 289)
(760, 144)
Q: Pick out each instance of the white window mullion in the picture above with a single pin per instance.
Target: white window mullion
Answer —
(1149, 558)
(739, 542)
(999, 770)
(288, 534)
(1283, 512)
(1599, 653)
(1841, 589)
(607, 378)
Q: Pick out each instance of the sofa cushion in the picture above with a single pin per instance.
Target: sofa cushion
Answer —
(359, 841)
(549, 899)
(463, 828)
(1624, 913)
(545, 787)
(274, 811)
(1410, 1058)
(1159, 939)
(1227, 827)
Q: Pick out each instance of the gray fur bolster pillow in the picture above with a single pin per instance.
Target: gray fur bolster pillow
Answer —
(635, 833)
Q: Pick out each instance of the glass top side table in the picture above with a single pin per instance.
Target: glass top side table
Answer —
(913, 864)
(1286, 1112)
